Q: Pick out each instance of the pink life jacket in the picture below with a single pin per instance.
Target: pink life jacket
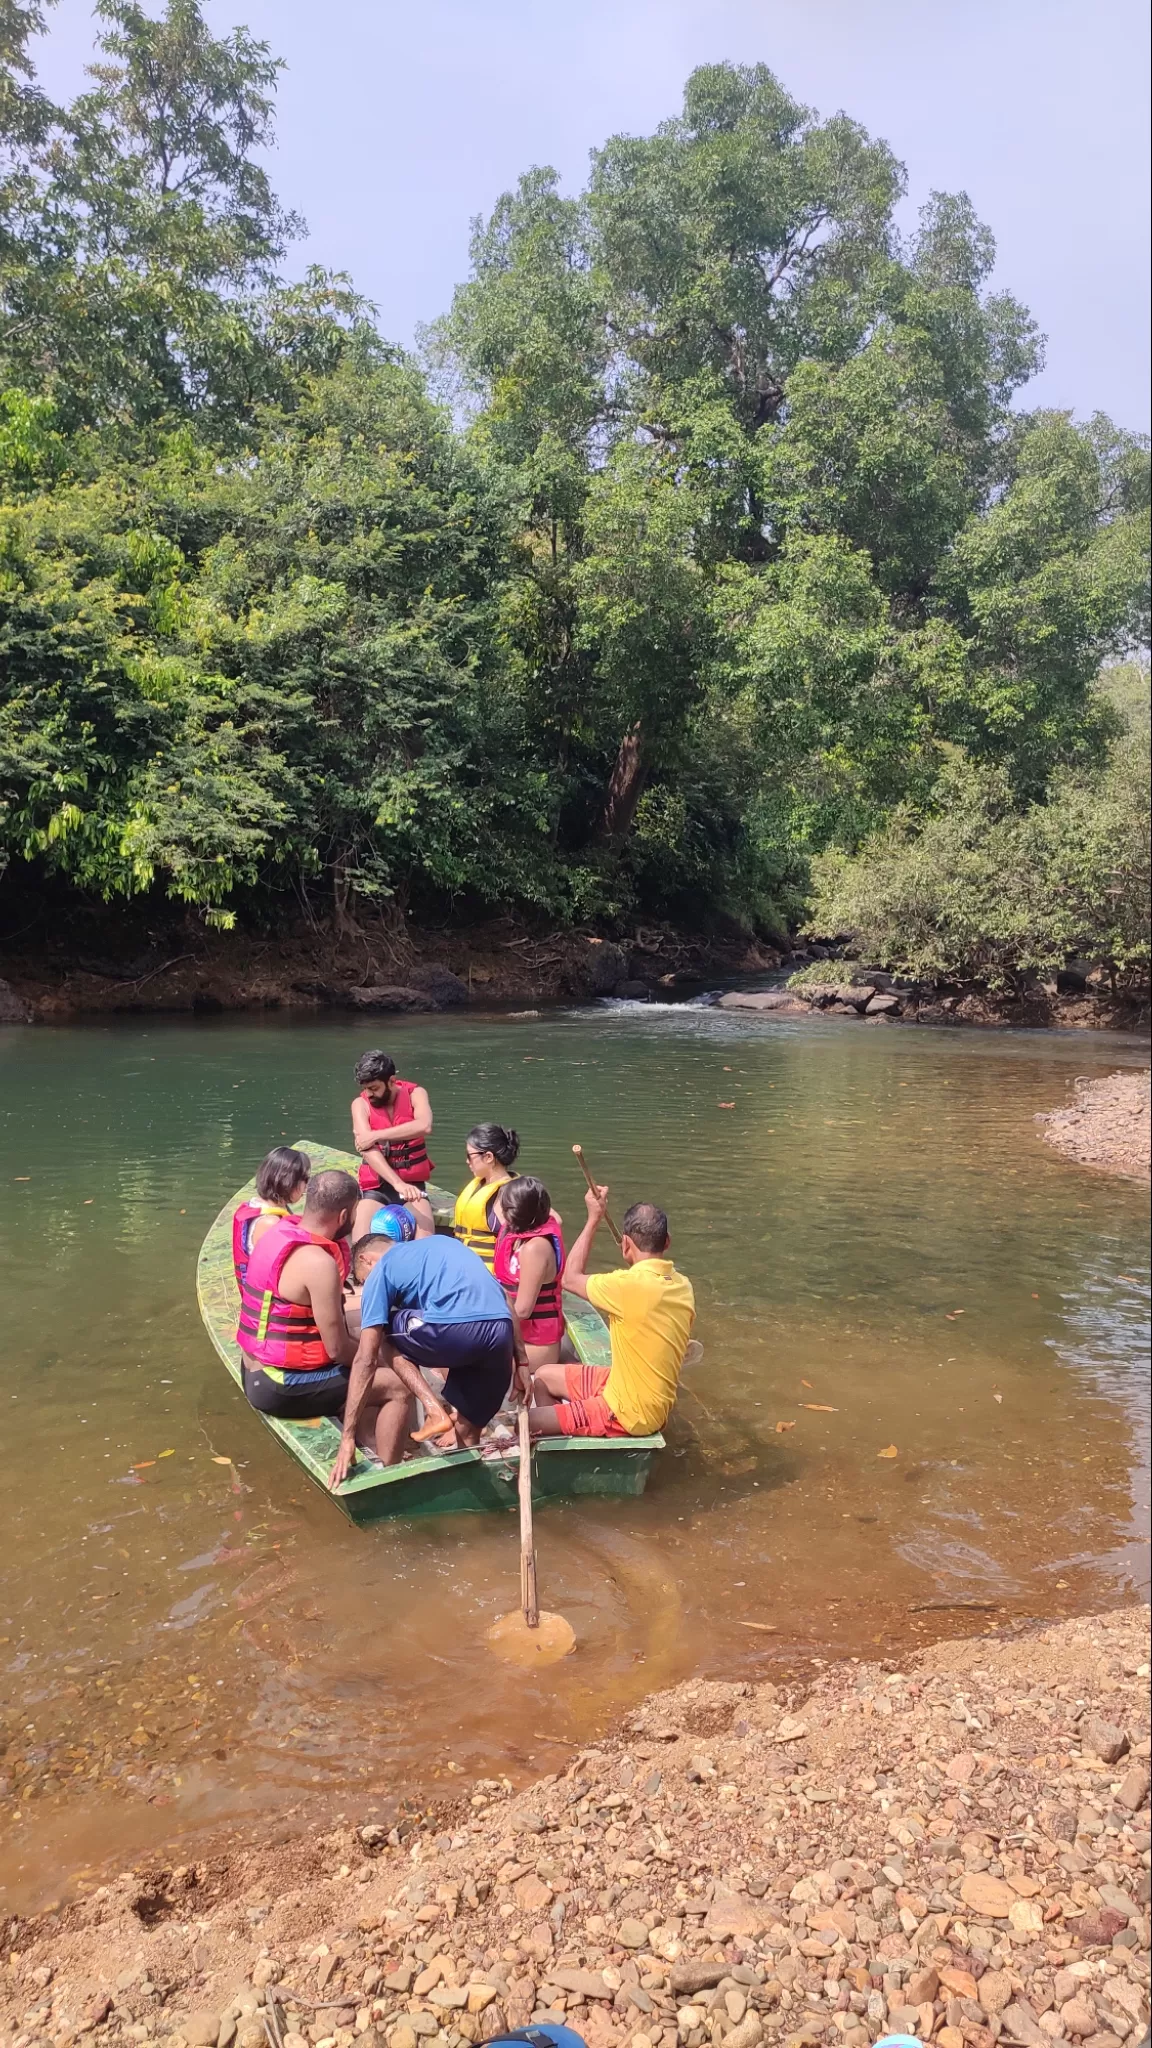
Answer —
(272, 1332)
(409, 1156)
(545, 1325)
(242, 1221)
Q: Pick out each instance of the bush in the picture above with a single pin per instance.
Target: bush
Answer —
(982, 892)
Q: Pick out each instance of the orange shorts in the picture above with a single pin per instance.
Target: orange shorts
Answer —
(584, 1411)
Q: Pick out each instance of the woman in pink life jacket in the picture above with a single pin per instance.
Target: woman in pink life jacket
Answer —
(529, 1264)
(281, 1183)
(391, 1122)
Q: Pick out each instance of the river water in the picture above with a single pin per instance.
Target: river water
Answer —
(885, 1256)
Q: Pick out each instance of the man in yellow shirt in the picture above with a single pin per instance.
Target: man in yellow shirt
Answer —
(649, 1308)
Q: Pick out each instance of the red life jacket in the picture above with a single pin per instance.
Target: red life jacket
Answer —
(272, 1332)
(545, 1325)
(242, 1222)
(409, 1156)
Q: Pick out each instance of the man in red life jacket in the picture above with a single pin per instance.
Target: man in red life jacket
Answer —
(391, 1122)
(293, 1329)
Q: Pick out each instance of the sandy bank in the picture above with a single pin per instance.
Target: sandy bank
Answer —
(958, 1846)
(1107, 1124)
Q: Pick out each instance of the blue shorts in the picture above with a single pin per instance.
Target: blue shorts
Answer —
(477, 1355)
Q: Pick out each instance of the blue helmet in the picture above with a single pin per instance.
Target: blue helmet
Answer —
(395, 1222)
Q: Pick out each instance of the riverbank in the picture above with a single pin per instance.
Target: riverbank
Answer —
(1108, 1124)
(95, 965)
(373, 971)
(956, 1845)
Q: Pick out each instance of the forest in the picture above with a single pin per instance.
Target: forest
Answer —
(704, 562)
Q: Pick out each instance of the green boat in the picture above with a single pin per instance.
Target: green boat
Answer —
(453, 1482)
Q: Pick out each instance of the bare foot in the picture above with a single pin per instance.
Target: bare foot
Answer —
(437, 1423)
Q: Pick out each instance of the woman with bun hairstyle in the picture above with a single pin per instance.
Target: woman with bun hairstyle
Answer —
(491, 1153)
(529, 1265)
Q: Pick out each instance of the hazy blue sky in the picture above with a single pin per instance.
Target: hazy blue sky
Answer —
(400, 122)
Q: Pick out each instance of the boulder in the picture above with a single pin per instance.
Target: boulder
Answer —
(386, 997)
(817, 994)
(858, 993)
(632, 991)
(13, 1008)
(781, 1000)
(447, 990)
(884, 1006)
(606, 965)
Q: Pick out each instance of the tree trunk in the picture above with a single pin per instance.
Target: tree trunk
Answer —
(625, 788)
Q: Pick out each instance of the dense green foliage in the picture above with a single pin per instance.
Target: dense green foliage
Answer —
(982, 891)
(707, 540)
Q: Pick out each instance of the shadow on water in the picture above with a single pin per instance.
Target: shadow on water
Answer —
(924, 1381)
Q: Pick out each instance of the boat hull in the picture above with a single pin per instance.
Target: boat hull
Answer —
(454, 1483)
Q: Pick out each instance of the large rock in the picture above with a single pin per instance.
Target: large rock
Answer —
(386, 997)
(632, 990)
(13, 1008)
(1103, 1739)
(884, 1006)
(606, 965)
(736, 1918)
(857, 994)
(447, 990)
(780, 1000)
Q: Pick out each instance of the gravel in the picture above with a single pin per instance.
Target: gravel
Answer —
(1108, 1124)
(956, 1848)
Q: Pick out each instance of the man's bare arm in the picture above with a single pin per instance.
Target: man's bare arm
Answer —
(319, 1273)
(575, 1276)
(363, 1370)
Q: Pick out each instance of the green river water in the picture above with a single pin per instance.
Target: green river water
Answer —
(873, 1225)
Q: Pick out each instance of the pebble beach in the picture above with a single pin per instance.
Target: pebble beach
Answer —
(954, 1846)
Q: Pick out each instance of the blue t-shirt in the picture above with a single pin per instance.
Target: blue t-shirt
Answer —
(441, 1277)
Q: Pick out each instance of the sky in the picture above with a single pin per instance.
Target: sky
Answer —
(400, 122)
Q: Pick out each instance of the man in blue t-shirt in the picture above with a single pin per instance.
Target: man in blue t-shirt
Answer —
(432, 1302)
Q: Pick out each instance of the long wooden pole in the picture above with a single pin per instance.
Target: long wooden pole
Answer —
(528, 1596)
(579, 1151)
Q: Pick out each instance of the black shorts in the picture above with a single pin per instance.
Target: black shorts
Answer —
(301, 1395)
(478, 1357)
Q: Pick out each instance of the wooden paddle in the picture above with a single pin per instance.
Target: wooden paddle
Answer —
(579, 1151)
(529, 1637)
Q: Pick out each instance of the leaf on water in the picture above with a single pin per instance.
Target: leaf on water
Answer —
(144, 1464)
(1130, 1277)
(21, 1176)
(221, 1461)
(819, 1407)
(889, 1451)
(998, 1397)
(782, 1426)
(167, 1454)
(725, 1105)
(805, 1383)
(769, 1627)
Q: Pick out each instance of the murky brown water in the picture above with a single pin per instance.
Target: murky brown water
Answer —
(885, 1255)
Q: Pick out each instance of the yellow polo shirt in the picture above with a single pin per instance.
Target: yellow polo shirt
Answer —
(649, 1309)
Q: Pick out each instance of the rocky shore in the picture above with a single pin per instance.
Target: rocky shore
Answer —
(1108, 1124)
(955, 1846)
(373, 972)
(875, 996)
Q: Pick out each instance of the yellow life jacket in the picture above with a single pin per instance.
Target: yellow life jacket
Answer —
(470, 1220)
